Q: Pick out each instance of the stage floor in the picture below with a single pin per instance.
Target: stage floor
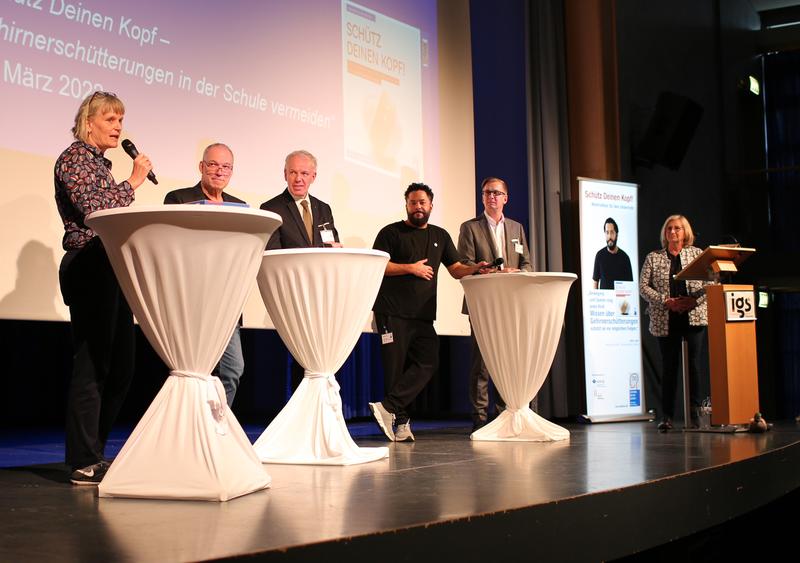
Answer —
(443, 490)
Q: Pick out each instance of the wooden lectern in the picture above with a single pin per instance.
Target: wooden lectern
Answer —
(731, 335)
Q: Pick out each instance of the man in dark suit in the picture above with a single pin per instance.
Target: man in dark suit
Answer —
(486, 238)
(307, 221)
(215, 173)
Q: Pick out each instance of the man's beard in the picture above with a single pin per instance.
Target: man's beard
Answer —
(418, 221)
(611, 244)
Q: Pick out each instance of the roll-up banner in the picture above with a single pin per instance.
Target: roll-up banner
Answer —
(611, 312)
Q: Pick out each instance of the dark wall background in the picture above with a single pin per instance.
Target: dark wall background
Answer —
(705, 51)
(673, 47)
(499, 77)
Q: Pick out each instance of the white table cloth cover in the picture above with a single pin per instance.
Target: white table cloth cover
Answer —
(517, 320)
(186, 271)
(319, 300)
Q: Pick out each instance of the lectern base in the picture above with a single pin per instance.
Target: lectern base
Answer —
(723, 429)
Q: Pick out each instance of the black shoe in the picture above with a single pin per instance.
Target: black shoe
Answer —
(89, 475)
(665, 424)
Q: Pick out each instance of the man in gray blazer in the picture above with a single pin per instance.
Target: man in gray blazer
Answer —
(486, 238)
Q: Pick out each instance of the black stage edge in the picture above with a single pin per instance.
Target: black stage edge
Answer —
(611, 491)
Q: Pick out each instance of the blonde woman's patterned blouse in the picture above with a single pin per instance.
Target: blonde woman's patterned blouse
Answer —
(654, 288)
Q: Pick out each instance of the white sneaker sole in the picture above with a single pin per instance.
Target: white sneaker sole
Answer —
(379, 419)
(84, 483)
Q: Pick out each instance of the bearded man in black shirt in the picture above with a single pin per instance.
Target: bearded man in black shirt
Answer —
(406, 307)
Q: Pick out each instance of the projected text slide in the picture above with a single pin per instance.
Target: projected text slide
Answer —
(265, 78)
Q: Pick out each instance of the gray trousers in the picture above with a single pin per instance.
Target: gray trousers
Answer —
(479, 385)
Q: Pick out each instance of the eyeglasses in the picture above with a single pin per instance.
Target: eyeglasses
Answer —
(214, 166)
(101, 93)
(495, 193)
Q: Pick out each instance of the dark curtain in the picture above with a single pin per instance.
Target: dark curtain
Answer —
(782, 115)
(782, 96)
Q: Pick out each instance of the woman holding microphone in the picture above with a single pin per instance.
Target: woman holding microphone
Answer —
(101, 322)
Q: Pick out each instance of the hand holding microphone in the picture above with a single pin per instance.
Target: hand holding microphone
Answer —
(496, 263)
(491, 266)
(142, 167)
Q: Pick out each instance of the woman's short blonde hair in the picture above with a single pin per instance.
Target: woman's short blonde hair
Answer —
(688, 233)
(98, 102)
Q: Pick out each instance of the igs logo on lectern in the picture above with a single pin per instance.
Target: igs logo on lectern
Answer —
(740, 306)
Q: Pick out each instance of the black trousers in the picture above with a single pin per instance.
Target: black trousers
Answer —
(103, 345)
(409, 361)
(670, 347)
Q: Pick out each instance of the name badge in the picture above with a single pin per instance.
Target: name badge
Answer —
(327, 236)
(387, 338)
(517, 245)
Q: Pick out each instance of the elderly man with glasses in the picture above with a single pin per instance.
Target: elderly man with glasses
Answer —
(215, 173)
(488, 238)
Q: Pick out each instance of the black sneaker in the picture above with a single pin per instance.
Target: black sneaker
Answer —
(89, 475)
(665, 424)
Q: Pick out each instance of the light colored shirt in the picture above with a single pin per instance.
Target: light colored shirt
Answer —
(498, 230)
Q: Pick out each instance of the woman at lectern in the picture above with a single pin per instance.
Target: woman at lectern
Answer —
(677, 310)
(101, 322)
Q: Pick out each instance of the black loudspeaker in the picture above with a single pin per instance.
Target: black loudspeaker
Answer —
(669, 132)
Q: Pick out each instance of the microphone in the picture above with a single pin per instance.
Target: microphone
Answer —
(497, 262)
(130, 149)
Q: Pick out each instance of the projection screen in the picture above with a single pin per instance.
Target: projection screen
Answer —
(379, 91)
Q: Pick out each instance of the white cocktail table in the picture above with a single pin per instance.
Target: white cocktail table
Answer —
(186, 271)
(319, 300)
(517, 320)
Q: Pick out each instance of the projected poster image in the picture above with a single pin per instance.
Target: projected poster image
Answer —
(382, 85)
(609, 285)
(265, 78)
